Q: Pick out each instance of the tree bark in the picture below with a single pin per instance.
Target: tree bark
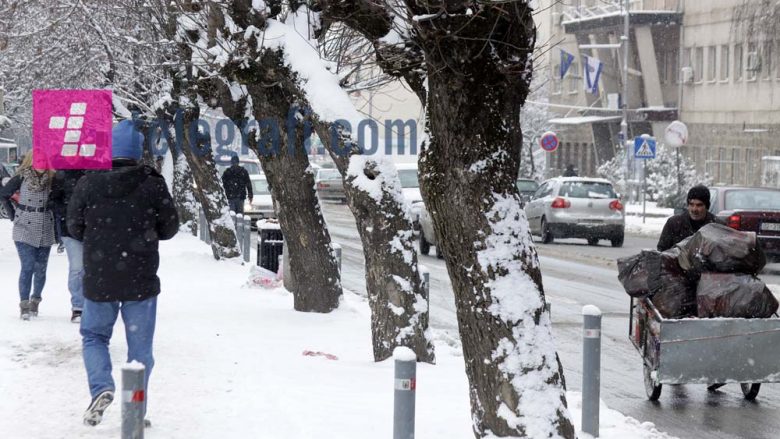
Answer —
(399, 304)
(479, 74)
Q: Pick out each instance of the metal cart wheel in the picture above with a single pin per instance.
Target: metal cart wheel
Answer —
(652, 389)
(750, 390)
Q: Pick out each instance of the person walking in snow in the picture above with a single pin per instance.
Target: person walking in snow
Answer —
(62, 186)
(33, 231)
(120, 216)
(237, 184)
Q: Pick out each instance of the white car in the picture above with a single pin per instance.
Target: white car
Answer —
(262, 205)
(577, 207)
(410, 186)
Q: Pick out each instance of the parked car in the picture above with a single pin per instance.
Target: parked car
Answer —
(262, 205)
(750, 209)
(330, 185)
(252, 166)
(527, 188)
(577, 207)
(410, 186)
(427, 236)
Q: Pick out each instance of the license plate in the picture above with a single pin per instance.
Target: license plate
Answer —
(771, 227)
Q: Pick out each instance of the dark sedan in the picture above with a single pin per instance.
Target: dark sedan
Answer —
(750, 209)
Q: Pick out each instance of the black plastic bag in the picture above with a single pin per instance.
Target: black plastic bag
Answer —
(639, 273)
(716, 247)
(734, 295)
(659, 276)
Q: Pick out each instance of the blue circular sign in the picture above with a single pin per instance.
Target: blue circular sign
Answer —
(549, 141)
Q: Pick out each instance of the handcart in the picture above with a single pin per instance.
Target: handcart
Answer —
(704, 351)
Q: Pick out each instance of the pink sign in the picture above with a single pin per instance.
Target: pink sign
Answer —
(72, 129)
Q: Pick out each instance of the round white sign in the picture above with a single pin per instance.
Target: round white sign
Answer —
(676, 134)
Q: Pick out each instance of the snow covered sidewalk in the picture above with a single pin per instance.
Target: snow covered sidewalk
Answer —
(230, 364)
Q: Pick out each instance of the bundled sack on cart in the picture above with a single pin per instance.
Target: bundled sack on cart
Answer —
(716, 247)
(658, 276)
(734, 295)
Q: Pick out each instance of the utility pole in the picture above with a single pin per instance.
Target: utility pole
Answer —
(624, 98)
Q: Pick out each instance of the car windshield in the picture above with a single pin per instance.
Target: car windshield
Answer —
(527, 185)
(408, 178)
(328, 174)
(260, 187)
(587, 189)
(753, 199)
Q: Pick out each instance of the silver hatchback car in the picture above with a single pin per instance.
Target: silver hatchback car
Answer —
(577, 207)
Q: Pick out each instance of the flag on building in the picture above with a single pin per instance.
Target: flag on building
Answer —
(566, 60)
(592, 67)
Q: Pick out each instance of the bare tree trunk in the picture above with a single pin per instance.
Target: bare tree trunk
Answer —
(399, 304)
(478, 64)
(183, 197)
(512, 366)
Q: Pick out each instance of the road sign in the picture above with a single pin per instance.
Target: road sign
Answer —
(644, 147)
(549, 141)
(676, 134)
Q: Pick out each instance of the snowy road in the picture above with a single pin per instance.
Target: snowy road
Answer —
(576, 274)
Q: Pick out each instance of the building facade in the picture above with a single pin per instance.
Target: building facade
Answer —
(711, 64)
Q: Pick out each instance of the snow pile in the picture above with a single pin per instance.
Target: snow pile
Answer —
(231, 362)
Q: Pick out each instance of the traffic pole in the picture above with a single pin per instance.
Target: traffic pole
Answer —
(405, 392)
(133, 400)
(591, 369)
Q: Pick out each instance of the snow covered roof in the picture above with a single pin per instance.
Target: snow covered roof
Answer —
(579, 120)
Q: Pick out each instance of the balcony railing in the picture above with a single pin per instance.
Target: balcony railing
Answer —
(587, 10)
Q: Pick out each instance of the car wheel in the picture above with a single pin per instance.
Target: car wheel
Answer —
(439, 253)
(617, 241)
(593, 241)
(547, 236)
(425, 246)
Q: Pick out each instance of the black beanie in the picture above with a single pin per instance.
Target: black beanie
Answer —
(700, 193)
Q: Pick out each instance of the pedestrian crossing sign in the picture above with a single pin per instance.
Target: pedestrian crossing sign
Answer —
(644, 147)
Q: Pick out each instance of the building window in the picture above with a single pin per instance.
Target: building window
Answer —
(698, 64)
(674, 56)
(711, 63)
(556, 79)
(574, 78)
(738, 66)
(767, 61)
(753, 62)
(724, 63)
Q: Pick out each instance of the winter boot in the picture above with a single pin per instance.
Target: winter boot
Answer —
(75, 317)
(34, 306)
(24, 309)
(94, 413)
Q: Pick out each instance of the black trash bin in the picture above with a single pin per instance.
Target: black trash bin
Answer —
(270, 245)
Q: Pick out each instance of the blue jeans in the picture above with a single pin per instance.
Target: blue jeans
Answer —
(97, 324)
(75, 250)
(236, 205)
(34, 262)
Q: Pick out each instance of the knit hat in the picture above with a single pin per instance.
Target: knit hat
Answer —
(701, 193)
(126, 141)
(234, 159)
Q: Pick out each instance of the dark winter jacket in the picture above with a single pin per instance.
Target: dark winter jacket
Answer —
(680, 227)
(61, 190)
(121, 216)
(236, 182)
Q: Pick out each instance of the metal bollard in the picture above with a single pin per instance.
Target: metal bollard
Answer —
(247, 235)
(133, 400)
(405, 392)
(591, 369)
(337, 250)
(201, 225)
(238, 221)
(425, 277)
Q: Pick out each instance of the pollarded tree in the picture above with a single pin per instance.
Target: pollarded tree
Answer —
(475, 58)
